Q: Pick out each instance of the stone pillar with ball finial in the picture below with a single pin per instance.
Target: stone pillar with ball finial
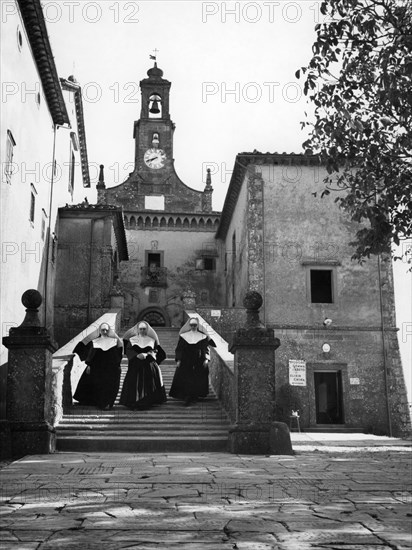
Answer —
(29, 382)
(254, 349)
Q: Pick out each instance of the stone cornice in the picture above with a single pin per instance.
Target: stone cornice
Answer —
(35, 25)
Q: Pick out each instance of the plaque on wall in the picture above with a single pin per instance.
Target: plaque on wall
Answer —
(297, 372)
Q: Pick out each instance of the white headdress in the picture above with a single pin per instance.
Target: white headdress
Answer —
(134, 331)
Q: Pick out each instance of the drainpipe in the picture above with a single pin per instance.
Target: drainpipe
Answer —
(385, 366)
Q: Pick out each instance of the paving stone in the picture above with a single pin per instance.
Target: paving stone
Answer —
(209, 501)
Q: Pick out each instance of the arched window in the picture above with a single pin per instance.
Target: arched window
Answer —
(178, 222)
(209, 223)
(126, 222)
(155, 222)
(132, 222)
(170, 223)
(147, 223)
(185, 222)
(140, 221)
(201, 222)
(163, 222)
(193, 223)
(155, 106)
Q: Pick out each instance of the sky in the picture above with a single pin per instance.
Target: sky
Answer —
(232, 66)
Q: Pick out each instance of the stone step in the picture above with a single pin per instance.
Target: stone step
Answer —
(333, 428)
(170, 427)
(150, 444)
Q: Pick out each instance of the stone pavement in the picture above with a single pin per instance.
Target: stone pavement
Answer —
(343, 497)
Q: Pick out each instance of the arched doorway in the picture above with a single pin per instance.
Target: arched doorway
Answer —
(156, 317)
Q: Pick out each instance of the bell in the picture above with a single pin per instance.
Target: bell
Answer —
(155, 107)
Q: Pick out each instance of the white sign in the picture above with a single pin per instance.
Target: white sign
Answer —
(354, 381)
(297, 372)
(154, 202)
(215, 313)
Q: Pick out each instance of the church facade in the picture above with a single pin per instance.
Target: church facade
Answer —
(170, 227)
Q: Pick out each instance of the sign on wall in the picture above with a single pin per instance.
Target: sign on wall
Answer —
(354, 381)
(215, 313)
(297, 372)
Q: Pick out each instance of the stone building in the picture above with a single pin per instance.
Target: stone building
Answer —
(338, 362)
(44, 162)
(170, 227)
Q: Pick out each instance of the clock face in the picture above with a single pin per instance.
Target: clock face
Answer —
(155, 158)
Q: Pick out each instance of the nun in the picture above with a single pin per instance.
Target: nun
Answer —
(191, 378)
(102, 352)
(143, 383)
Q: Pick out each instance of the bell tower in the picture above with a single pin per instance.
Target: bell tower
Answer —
(153, 133)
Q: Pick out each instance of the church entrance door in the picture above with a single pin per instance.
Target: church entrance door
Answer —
(328, 396)
(154, 318)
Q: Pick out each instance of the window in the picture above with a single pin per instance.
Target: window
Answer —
(19, 39)
(206, 264)
(43, 224)
(155, 106)
(234, 246)
(33, 194)
(154, 259)
(71, 171)
(209, 264)
(321, 286)
(53, 248)
(8, 165)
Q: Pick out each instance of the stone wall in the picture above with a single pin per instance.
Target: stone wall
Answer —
(179, 250)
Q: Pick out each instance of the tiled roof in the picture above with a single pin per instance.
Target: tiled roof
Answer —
(72, 86)
(35, 25)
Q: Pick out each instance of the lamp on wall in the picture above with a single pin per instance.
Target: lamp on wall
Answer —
(327, 322)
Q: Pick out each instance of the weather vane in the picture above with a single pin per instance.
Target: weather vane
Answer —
(154, 57)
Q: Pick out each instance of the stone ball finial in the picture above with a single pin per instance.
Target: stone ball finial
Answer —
(252, 300)
(31, 299)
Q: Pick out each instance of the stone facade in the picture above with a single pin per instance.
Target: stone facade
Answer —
(91, 246)
(294, 249)
(170, 227)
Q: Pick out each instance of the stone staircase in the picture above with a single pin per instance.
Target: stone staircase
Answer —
(171, 427)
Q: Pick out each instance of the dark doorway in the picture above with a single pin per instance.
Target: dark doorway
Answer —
(154, 319)
(328, 396)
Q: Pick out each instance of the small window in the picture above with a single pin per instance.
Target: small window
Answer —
(32, 204)
(19, 39)
(71, 171)
(53, 248)
(8, 165)
(154, 260)
(43, 224)
(321, 286)
(209, 264)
